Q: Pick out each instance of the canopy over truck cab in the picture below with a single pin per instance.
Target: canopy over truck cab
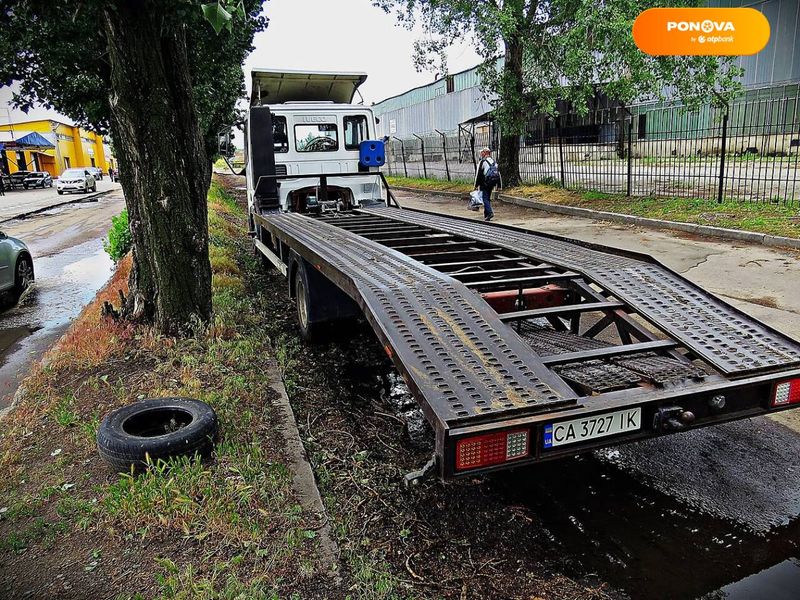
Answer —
(301, 132)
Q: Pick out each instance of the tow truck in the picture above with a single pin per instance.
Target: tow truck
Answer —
(519, 346)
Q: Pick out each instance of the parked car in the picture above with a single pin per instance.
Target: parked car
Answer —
(16, 265)
(96, 172)
(18, 178)
(40, 179)
(76, 180)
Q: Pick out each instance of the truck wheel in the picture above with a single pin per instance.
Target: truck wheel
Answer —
(159, 428)
(308, 331)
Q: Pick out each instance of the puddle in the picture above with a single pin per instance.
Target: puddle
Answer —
(678, 518)
(65, 283)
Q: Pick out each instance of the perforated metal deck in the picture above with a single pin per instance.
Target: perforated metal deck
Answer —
(451, 345)
(728, 339)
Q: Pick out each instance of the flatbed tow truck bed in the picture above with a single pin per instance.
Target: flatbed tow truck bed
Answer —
(522, 347)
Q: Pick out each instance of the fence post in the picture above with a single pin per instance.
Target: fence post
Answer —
(403, 153)
(560, 150)
(444, 150)
(422, 150)
(722, 156)
(630, 153)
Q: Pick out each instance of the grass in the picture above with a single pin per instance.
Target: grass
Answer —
(228, 528)
(774, 218)
(434, 185)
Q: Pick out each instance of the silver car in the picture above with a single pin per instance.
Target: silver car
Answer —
(16, 265)
(76, 180)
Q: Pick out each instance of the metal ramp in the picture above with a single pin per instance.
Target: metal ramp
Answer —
(452, 347)
(726, 338)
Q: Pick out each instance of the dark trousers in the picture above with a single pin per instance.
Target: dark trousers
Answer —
(486, 194)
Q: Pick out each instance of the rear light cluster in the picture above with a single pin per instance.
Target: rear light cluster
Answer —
(491, 449)
(786, 392)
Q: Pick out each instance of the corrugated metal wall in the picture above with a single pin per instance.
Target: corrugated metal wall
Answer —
(443, 112)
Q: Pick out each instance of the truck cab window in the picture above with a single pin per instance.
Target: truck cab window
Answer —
(280, 138)
(355, 131)
(316, 138)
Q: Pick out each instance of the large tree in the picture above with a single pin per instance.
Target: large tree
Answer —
(159, 78)
(559, 49)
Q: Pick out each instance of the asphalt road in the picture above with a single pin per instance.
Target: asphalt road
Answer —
(22, 201)
(713, 510)
(70, 266)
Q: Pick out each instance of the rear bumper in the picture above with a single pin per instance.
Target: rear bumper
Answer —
(743, 399)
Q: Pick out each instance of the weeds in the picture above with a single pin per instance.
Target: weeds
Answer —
(119, 242)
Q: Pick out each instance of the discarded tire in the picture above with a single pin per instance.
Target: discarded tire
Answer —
(159, 428)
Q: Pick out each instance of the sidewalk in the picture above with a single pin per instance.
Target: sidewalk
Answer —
(21, 202)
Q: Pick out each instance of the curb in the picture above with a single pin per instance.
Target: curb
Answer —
(720, 232)
(764, 239)
(89, 198)
(303, 477)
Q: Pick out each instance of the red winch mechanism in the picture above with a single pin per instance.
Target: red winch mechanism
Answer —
(506, 301)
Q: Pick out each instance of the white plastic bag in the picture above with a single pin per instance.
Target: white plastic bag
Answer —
(475, 200)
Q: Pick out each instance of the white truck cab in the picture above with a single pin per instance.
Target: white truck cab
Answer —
(302, 130)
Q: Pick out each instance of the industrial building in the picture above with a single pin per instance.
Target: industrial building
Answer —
(52, 146)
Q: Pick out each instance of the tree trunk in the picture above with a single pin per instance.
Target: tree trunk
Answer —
(164, 170)
(515, 110)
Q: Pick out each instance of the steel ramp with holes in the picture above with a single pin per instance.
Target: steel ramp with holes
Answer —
(451, 346)
(729, 340)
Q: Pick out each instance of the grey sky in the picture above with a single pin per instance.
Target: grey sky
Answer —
(347, 35)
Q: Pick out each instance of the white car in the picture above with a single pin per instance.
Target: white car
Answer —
(76, 180)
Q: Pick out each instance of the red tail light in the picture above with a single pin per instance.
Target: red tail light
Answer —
(786, 392)
(491, 449)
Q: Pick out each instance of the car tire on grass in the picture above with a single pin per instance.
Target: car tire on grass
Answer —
(157, 428)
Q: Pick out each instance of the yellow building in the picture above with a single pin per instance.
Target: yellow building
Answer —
(72, 147)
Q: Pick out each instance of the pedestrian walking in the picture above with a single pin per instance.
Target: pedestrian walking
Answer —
(487, 177)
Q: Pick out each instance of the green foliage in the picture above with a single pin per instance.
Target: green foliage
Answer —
(119, 241)
(562, 50)
(59, 66)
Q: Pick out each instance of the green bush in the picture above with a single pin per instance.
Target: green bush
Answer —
(119, 237)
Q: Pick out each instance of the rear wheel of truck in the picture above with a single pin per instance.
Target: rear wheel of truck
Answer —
(308, 331)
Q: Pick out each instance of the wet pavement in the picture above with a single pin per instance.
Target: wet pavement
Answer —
(70, 266)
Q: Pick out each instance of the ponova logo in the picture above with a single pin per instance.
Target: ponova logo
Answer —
(707, 26)
(701, 31)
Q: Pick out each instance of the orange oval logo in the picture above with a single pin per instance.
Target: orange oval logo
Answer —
(701, 31)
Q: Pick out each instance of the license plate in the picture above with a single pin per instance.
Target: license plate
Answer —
(589, 428)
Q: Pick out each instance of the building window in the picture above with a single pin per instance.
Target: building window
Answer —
(22, 164)
(451, 84)
(280, 138)
(355, 132)
(641, 132)
(67, 164)
(92, 161)
(316, 138)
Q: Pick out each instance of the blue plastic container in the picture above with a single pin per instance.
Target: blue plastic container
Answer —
(371, 153)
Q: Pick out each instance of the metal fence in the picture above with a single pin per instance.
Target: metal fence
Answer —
(749, 152)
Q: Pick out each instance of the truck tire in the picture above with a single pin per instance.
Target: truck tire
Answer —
(159, 428)
(308, 331)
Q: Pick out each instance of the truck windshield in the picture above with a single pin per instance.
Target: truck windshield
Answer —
(316, 138)
(355, 131)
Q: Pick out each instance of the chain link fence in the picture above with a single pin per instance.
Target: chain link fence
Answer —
(749, 151)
